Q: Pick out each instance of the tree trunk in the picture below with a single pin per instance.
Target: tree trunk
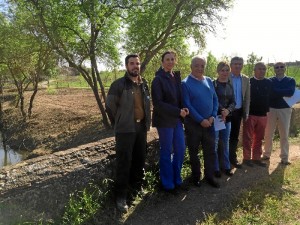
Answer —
(35, 90)
(101, 108)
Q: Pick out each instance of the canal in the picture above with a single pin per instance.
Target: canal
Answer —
(8, 156)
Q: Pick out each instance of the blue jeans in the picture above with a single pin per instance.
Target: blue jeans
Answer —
(172, 149)
(223, 155)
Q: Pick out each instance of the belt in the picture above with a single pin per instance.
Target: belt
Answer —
(138, 121)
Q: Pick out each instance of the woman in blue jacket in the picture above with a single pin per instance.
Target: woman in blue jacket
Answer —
(167, 118)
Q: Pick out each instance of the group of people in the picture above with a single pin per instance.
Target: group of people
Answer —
(184, 113)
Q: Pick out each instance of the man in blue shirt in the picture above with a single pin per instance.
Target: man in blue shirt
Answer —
(280, 112)
(200, 98)
(241, 87)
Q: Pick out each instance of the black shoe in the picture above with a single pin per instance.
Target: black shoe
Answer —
(171, 191)
(248, 162)
(285, 163)
(237, 165)
(197, 183)
(218, 174)
(182, 187)
(229, 172)
(265, 157)
(212, 182)
(259, 163)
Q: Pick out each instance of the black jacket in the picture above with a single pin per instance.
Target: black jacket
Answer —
(120, 104)
(166, 98)
(226, 97)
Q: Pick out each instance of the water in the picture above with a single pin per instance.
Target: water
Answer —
(9, 157)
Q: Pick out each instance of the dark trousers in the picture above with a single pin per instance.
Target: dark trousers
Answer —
(131, 154)
(196, 135)
(236, 119)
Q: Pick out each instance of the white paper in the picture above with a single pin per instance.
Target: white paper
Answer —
(294, 99)
(219, 124)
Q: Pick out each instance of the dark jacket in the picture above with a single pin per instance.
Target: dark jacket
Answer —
(226, 97)
(120, 104)
(166, 98)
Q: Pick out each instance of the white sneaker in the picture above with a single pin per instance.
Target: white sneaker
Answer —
(122, 205)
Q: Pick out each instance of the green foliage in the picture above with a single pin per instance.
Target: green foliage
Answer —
(85, 204)
(252, 59)
(272, 201)
(186, 167)
(151, 181)
(81, 208)
(211, 66)
(51, 91)
(294, 71)
(160, 24)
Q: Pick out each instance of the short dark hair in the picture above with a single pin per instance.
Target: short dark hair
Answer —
(130, 56)
(236, 58)
(259, 64)
(168, 52)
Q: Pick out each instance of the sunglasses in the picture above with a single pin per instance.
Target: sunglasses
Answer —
(279, 67)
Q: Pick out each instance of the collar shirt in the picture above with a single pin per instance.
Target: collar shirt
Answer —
(237, 87)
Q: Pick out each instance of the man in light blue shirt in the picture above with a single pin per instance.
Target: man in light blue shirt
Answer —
(237, 87)
(241, 87)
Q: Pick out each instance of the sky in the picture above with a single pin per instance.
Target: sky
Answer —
(269, 28)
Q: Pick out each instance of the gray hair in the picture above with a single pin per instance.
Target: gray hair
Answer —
(196, 58)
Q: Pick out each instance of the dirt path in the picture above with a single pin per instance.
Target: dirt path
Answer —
(195, 204)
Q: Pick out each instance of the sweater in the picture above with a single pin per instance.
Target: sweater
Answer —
(259, 96)
(200, 98)
(281, 88)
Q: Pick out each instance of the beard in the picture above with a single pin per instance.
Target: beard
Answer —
(134, 73)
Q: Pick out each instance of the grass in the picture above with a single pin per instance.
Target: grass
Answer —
(79, 82)
(273, 201)
(84, 205)
(294, 71)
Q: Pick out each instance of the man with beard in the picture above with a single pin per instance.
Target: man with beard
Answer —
(128, 108)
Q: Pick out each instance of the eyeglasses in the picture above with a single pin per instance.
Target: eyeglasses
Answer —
(279, 67)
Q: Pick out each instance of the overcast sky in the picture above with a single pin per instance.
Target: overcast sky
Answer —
(269, 28)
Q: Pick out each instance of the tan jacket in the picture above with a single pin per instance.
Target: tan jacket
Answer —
(245, 94)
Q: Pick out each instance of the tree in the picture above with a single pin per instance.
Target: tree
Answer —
(211, 65)
(25, 59)
(162, 24)
(252, 59)
(84, 33)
